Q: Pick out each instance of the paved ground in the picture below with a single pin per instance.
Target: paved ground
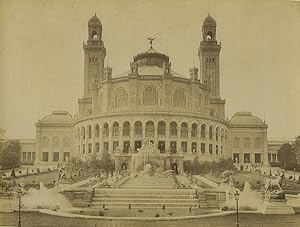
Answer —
(246, 220)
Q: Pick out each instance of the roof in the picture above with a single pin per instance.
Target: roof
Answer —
(209, 21)
(57, 117)
(150, 70)
(94, 19)
(246, 118)
(148, 57)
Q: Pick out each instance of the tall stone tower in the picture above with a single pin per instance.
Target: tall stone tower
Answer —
(208, 53)
(94, 54)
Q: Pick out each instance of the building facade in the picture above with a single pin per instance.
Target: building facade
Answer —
(180, 115)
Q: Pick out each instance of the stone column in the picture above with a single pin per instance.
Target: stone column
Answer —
(198, 136)
(101, 139)
(121, 138)
(110, 140)
(117, 164)
(144, 131)
(178, 138)
(167, 140)
(207, 142)
(189, 141)
(181, 170)
(131, 137)
(155, 136)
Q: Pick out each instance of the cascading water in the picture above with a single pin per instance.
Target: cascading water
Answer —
(248, 198)
(44, 198)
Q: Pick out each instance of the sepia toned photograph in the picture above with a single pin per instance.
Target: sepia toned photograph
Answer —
(144, 113)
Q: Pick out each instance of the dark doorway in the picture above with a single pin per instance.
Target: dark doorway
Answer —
(124, 166)
(173, 147)
(175, 168)
(126, 145)
(161, 146)
(137, 144)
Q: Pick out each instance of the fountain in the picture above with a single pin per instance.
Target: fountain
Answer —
(249, 199)
(45, 198)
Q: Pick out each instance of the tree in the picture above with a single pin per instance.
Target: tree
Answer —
(106, 164)
(286, 155)
(196, 166)
(297, 150)
(10, 154)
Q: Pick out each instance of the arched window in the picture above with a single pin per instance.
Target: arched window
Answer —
(247, 142)
(105, 130)
(55, 142)
(138, 128)
(66, 143)
(173, 129)
(100, 102)
(222, 135)
(89, 131)
(150, 97)
(121, 98)
(115, 129)
(200, 100)
(83, 132)
(210, 132)
(184, 130)
(179, 99)
(97, 131)
(194, 130)
(126, 129)
(45, 142)
(203, 131)
(257, 143)
(209, 36)
(217, 134)
(78, 133)
(236, 142)
(94, 35)
(161, 128)
(150, 129)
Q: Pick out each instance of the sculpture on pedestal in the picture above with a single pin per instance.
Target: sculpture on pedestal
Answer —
(272, 186)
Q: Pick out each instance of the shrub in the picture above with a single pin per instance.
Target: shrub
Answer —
(275, 164)
(225, 208)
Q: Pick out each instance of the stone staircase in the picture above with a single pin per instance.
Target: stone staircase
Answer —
(146, 192)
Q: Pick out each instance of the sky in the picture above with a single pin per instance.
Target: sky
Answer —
(41, 55)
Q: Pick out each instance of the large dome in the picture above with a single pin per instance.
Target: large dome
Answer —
(57, 117)
(151, 57)
(246, 118)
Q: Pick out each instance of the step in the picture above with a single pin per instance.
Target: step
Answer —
(147, 196)
(142, 205)
(148, 187)
(140, 191)
(143, 200)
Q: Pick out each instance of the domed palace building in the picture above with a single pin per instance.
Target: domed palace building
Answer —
(180, 117)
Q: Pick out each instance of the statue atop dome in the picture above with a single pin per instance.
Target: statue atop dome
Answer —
(151, 41)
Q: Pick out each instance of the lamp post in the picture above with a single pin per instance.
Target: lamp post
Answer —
(236, 196)
(294, 174)
(20, 192)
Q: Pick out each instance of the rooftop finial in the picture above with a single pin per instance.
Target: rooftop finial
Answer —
(95, 14)
(151, 41)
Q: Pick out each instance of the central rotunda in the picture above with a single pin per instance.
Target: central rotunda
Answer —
(182, 116)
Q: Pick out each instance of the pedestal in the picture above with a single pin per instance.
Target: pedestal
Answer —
(276, 206)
